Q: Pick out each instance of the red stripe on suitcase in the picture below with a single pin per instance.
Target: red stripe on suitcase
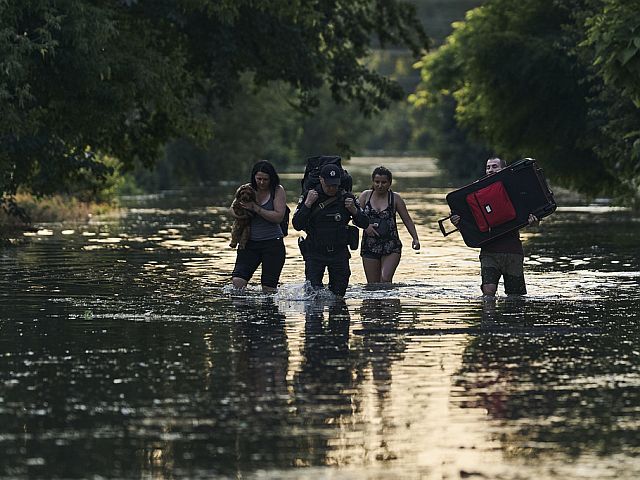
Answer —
(491, 206)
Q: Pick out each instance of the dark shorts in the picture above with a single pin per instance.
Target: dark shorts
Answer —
(338, 266)
(375, 256)
(269, 253)
(371, 255)
(377, 248)
(506, 265)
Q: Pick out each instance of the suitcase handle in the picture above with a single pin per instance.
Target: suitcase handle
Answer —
(524, 163)
(542, 212)
(442, 229)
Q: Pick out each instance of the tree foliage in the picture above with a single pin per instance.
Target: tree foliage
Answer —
(614, 34)
(261, 124)
(529, 78)
(612, 40)
(123, 77)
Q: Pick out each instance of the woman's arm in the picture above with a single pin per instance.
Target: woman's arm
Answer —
(232, 210)
(353, 207)
(279, 206)
(362, 198)
(401, 208)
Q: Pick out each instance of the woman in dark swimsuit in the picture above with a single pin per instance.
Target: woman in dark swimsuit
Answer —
(381, 247)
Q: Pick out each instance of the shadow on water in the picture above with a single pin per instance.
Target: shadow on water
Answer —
(324, 384)
(123, 353)
(570, 392)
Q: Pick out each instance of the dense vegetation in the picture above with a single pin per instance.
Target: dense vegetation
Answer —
(275, 130)
(91, 90)
(85, 78)
(553, 79)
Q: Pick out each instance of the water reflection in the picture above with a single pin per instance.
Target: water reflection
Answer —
(553, 390)
(123, 355)
(257, 430)
(324, 386)
(379, 353)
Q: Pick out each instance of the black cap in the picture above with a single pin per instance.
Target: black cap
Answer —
(331, 174)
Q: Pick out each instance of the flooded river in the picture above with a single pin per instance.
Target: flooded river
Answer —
(123, 353)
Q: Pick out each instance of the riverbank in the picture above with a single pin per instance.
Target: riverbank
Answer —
(51, 209)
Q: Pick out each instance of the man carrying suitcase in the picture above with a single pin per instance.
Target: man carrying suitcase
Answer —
(504, 256)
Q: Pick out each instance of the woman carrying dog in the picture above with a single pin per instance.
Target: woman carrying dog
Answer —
(265, 245)
(381, 247)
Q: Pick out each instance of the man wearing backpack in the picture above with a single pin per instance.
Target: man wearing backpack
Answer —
(324, 213)
(504, 256)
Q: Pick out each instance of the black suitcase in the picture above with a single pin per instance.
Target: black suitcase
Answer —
(528, 191)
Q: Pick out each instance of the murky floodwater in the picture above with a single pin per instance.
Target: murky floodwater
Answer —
(122, 354)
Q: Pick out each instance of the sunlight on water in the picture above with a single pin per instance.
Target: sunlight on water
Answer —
(125, 347)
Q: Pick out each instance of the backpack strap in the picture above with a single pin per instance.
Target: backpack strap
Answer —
(322, 205)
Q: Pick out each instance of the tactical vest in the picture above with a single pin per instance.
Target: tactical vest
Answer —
(328, 226)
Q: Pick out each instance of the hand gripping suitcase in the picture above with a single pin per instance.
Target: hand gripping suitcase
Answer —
(500, 203)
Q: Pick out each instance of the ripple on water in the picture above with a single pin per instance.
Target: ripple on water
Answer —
(137, 358)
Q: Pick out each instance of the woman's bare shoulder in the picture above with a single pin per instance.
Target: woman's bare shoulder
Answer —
(397, 197)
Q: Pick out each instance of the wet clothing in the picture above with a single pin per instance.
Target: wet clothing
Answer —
(265, 247)
(507, 265)
(269, 253)
(262, 229)
(337, 265)
(326, 244)
(389, 240)
(504, 257)
(509, 243)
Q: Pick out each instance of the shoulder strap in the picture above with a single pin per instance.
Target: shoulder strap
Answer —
(321, 205)
(392, 202)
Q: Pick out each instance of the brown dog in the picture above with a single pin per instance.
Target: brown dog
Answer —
(241, 229)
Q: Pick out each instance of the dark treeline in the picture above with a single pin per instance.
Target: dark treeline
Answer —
(264, 124)
(93, 94)
(85, 81)
(557, 80)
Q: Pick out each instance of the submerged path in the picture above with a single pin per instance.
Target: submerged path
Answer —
(123, 355)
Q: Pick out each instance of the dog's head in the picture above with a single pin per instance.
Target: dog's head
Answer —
(246, 193)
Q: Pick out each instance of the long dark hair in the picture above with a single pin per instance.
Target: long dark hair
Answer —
(265, 166)
(382, 171)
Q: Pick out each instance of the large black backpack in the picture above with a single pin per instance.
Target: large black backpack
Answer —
(311, 178)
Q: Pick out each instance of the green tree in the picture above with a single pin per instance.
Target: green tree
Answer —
(125, 77)
(259, 124)
(264, 123)
(612, 43)
(518, 87)
(555, 80)
(614, 33)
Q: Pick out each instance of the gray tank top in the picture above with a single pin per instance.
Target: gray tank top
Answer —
(262, 229)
